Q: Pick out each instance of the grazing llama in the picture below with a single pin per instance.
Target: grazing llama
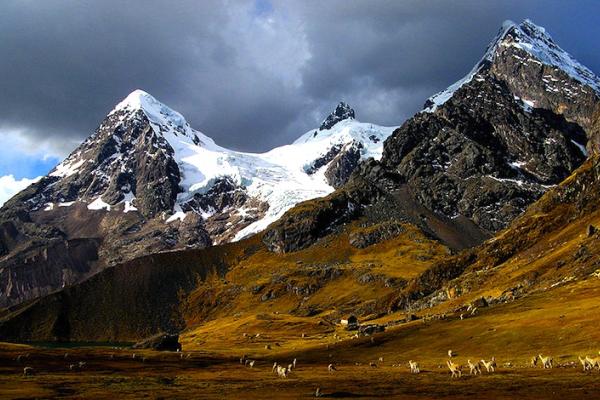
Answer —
(534, 361)
(593, 362)
(547, 361)
(455, 369)
(585, 364)
(490, 366)
(474, 368)
(414, 367)
(282, 371)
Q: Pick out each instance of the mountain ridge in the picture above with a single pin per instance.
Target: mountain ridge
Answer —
(474, 226)
(148, 182)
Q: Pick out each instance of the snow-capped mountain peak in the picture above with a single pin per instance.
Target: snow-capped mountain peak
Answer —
(165, 121)
(534, 40)
(136, 100)
(146, 158)
(536, 45)
(157, 112)
(147, 182)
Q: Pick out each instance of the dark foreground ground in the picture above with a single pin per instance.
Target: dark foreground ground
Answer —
(116, 374)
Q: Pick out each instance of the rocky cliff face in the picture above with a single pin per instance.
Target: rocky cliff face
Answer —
(483, 155)
(537, 69)
(345, 162)
(122, 163)
(466, 166)
(481, 151)
(477, 155)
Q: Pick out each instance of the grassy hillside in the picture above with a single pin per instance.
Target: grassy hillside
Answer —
(511, 332)
(553, 244)
(179, 290)
(122, 303)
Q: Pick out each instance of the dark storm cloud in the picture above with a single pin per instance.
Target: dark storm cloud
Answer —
(420, 47)
(251, 75)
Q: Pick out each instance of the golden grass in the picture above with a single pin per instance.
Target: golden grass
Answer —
(402, 257)
(511, 332)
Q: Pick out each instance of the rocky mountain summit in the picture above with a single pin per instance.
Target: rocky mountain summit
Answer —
(146, 182)
(341, 112)
(477, 155)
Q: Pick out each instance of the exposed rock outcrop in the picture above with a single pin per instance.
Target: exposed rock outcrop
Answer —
(161, 342)
(375, 234)
(482, 150)
(342, 111)
(345, 162)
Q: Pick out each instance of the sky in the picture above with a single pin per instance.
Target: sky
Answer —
(250, 74)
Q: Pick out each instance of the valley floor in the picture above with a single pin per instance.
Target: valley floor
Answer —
(561, 322)
(167, 376)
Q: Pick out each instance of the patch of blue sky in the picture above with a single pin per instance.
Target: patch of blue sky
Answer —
(25, 166)
(262, 8)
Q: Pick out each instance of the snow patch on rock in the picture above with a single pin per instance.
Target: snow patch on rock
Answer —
(98, 204)
(67, 168)
(177, 215)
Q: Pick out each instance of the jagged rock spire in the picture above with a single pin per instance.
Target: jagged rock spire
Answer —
(342, 111)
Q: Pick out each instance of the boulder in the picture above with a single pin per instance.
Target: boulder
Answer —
(591, 230)
(162, 342)
(480, 302)
(368, 330)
